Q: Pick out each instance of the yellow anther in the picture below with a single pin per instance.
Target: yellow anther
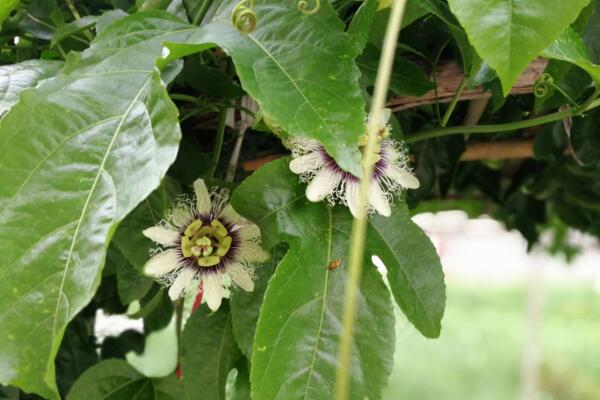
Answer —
(192, 228)
(224, 246)
(209, 261)
(186, 246)
(220, 230)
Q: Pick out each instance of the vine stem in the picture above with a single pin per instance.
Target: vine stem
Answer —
(359, 226)
(506, 128)
(452, 106)
(222, 121)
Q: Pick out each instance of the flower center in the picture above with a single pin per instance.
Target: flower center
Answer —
(206, 243)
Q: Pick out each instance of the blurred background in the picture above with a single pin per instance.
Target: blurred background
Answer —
(519, 324)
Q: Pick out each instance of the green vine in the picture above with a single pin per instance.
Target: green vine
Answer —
(243, 17)
(304, 8)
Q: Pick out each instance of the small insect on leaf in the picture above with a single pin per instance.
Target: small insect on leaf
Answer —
(334, 264)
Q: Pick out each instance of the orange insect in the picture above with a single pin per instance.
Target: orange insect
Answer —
(334, 264)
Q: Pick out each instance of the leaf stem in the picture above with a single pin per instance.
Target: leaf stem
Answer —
(77, 16)
(218, 146)
(501, 128)
(359, 226)
(178, 329)
(585, 106)
(452, 106)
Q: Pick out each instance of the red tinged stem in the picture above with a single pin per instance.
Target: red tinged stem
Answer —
(198, 298)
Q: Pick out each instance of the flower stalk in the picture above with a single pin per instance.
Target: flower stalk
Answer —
(359, 227)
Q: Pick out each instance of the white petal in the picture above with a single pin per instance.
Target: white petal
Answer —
(306, 163)
(162, 263)
(378, 201)
(230, 215)
(213, 291)
(181, 216)
(249, 232)
(241, 277)
(251, 252)
(183, 279)
(352, 198)
(202, 197)
(386, 113)
(322, 185)
(403, 177)
(160, 235)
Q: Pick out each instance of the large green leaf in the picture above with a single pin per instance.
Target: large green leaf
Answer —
(508, 34)
(569, 47)
(101, 138)
(18, 77)
(209, 353)
(299, 68)
(245, 306)
(298, 332)
(414, 271)
(117, 380)
(6, 7)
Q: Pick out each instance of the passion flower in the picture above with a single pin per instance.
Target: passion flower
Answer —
(326, 180)
(205, 241)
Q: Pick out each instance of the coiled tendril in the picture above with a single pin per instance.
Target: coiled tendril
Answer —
(303, 7)
(542, 85)
(243, 17)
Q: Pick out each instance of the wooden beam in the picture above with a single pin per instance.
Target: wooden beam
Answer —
(449, 75)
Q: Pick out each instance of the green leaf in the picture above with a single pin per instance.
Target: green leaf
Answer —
(407, 79)
(72, 28)
(440, 9)
(245, 306)
(117, 380)
(131, 283)
(209, 353)
(18, 77)
(77, 352)
(360, 27)
(129, 238)
(298, 333)
(6, 7)
(305, 84)
(508, 34)
(414, 271)
(569, 47)
(105, 133)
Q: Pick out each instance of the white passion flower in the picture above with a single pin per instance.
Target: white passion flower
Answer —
(326, 180)
(205, 241)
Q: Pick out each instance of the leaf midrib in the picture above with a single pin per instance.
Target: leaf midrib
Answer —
(87, 203)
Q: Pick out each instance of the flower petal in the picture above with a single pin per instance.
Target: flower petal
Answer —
(162, 263)
(183, 279)
(213, 291)
(322, 185)
(378, 200)
(160, 235)
(203, 203)
(230, 215)
(352, 197)
(249, 232)
(306, 163)
(181, 216)
(251, 252)
(402, 176)
(241, 277)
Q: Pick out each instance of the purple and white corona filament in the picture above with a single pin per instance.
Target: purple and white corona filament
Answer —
(205, 241)
(326, 180)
